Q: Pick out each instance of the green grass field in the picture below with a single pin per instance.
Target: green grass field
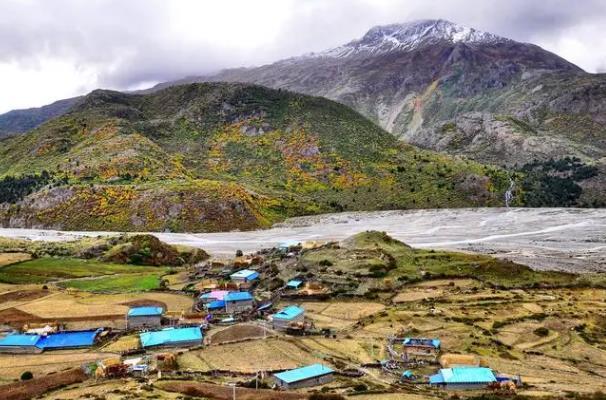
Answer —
(484, 268)
(122, 283)
(44, 270)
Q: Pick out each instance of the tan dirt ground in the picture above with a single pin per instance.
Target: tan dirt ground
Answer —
(249, 357)
(13, 365)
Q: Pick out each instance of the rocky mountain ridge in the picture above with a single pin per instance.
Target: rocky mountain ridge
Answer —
(453, 89)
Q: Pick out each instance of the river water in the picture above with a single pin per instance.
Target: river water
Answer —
(546, 238)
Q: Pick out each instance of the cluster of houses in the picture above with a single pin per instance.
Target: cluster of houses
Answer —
(457, 372)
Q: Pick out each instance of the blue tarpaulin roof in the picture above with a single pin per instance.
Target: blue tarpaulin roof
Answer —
(214, 305)
(247, 274)
(68, 339)
(18, 339)
(170, 336)
(238, 296)
(422, 342)
(407, 374)
(301, 374)
(294, 283)
(463, 375)
(436, 379)
(145, 311)
(289, 313)
(52, 340)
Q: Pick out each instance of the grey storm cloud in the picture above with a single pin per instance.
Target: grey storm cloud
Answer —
(132, 42)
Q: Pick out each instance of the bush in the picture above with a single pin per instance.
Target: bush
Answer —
(26, 376)
(326, 396)
(360, 387)
(542, 331)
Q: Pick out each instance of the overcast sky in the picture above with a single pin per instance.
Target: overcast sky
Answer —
(54, 49)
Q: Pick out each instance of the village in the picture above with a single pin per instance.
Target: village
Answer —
(291, 321)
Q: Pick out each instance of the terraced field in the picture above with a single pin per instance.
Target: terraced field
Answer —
(43, 270)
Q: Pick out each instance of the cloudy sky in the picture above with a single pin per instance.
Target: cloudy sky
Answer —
(54, 49)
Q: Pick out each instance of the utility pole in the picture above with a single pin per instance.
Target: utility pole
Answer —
(233, 386)
(372, 347)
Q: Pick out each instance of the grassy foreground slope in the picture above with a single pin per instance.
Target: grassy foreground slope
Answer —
(205, 157)
(382, 263)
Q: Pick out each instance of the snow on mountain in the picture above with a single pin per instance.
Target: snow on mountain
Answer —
(409, 36)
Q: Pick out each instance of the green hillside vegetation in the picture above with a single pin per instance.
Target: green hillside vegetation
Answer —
(121, 284)
(205, 157)
(393, 263)
(43, 270)
(124, 249)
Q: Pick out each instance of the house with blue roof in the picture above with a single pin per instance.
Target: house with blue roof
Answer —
(463, 378)
(311, 375)
(283, 318)
(69, 339)
(294, 284)
(20, 343)
(26, 343)
(407, 375)
(217, 306)
(421, 347)
(144, 317)
(236, 302)
(172, 337)
(213, 295)
(244, 276)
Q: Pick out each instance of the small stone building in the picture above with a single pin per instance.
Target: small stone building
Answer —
(144, 317)
(468, 378)
(423, 347)
(236, 302)
(311, 375)
(211, 296)
(294, 284)
(291, 314)
(244, 276)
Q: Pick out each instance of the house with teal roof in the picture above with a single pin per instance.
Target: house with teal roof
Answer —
(145, 317)
(172, 337)
(311, 375)
(237, 302)
(463, 378)
(283, 318)
(244, 276)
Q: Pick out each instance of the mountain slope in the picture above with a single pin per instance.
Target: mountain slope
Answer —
(218, 157)
(20, 121)
(457, 90)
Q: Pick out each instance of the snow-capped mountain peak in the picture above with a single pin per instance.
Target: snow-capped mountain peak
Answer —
(409, 36)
